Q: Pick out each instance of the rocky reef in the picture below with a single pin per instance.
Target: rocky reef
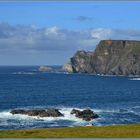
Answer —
(86, 114)
(111, 57)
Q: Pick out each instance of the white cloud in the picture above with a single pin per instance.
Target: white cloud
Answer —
(101, 33)
(52, 30)
(35, 39)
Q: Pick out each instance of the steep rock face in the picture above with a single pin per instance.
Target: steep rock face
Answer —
(113, 57)
(67, 67)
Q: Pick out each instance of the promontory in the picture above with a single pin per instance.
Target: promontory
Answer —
(111, 57)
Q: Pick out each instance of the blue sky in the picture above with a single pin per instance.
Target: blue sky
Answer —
(62, 14)
(89, 22)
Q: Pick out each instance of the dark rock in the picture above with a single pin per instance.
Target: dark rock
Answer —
(86, 115)
(35, 112)
(41, 113)
(111, 57)
(75, 111)
(54, 113)
(18, 111)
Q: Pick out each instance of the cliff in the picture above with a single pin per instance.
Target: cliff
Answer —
(111, 57)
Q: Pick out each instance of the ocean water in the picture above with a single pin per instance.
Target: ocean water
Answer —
(116, 99)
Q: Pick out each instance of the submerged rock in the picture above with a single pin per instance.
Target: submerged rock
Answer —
(86, 114)
(41, 113)
(111, 57)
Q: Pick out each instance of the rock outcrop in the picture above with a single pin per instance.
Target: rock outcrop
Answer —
(67, 67)
(86, 114)
(38, 112)
(111, 57)
(45, 69)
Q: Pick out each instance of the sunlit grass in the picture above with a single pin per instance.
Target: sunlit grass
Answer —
(116, 131)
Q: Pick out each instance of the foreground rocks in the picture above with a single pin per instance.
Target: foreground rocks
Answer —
(86, 115)
(111, 57)
(40, 113)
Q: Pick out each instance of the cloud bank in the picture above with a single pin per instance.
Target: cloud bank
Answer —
(31, 38)
(54, 40)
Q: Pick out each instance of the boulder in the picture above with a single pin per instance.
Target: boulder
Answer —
(86, 115)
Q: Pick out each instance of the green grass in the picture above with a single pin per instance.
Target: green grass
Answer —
(118, 131)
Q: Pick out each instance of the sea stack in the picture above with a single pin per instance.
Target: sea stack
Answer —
(111, 57)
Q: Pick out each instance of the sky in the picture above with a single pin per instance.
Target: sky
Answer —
(49, 33)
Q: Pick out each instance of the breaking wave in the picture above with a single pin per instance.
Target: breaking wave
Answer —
(24, 73)
(135, 78)
(107, 117)
(18, 121)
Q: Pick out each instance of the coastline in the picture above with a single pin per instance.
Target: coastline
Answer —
(113, 131)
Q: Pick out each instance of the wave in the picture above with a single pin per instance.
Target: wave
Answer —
(135, 78)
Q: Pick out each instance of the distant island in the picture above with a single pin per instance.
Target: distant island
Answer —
(43, 68)
(111, 57)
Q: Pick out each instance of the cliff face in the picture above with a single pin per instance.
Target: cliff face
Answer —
(112, 57)
(67, 67)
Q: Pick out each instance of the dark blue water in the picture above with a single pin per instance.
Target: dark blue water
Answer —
(116, 99)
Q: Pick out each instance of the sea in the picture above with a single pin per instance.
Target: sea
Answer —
(116, 99)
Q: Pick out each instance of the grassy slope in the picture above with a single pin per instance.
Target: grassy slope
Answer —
(119, 131)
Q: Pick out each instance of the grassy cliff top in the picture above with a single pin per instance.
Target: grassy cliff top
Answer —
(121, 40)
(132, 46)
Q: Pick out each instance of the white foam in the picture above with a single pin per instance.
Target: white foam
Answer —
(135, 79)
(67, 115)
(29, 120)
(24, 73)
(8, 115)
